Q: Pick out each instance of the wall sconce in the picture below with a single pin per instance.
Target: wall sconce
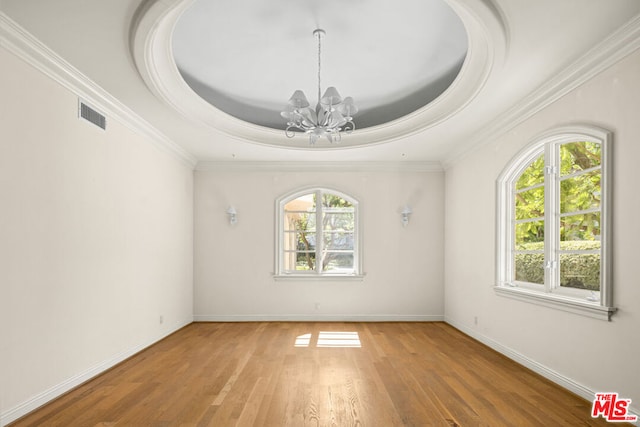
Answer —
(233, 215)
(406, 212)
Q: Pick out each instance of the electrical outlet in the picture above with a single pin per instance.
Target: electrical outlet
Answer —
(161, 320)
(317, 306)
(475, 320)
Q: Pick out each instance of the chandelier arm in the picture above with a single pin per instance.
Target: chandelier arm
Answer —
(291, 133)
(323, 120)
(348, 129)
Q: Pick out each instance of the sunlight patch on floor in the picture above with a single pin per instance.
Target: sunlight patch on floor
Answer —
(331, 339)
(303, 340)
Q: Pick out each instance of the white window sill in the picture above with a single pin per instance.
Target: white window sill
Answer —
(319, 277)
(559, 302)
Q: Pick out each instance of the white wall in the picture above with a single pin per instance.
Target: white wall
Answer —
(101, 234)
(234, 264)
(591, 355)
(96, 241)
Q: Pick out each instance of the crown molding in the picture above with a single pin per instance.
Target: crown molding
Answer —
(611, 50)
(24, 45)
(227, 166)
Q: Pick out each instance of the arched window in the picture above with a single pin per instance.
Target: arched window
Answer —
(554, 222)
(317, 234)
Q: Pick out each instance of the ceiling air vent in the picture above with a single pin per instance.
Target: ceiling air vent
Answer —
(92, 116)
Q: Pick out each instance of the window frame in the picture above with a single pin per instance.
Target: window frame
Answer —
(282, 274)
(571, 300)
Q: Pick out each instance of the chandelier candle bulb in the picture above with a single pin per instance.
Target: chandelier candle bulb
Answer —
(331, 116)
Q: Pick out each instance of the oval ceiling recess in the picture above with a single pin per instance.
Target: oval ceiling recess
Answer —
(233, 64)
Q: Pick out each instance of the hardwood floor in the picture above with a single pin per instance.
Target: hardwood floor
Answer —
(317, 374)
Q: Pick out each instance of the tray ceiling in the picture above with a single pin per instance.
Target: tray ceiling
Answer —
(123, 56)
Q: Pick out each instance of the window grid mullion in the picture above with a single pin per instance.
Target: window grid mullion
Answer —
(526, 220)
(582, 212)
(580, 172)
(551, 222)
(319, 233)
(533, 187)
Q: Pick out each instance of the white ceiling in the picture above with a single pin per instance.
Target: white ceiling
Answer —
(249, 63)
(520, 53)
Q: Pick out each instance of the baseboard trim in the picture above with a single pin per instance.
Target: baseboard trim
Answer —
(319, 318)
(559, 379)
(58, 390)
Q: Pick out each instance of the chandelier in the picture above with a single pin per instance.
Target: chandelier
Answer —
(331, 116)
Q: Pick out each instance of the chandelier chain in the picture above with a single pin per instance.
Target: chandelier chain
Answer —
(319, 61)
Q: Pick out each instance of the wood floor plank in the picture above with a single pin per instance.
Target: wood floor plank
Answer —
(316, 374)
